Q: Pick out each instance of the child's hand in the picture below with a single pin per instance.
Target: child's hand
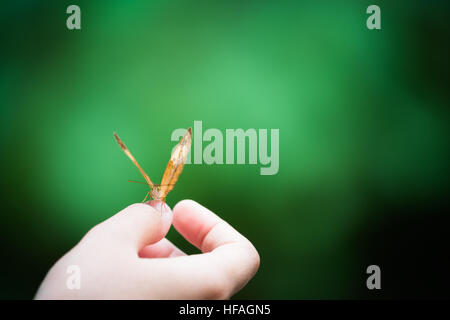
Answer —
(127, 257)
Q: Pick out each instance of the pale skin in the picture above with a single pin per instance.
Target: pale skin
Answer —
(128, 257)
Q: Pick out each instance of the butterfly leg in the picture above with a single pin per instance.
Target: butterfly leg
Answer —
(146, 196)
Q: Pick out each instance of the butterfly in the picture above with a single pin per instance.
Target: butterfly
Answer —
(173, 170)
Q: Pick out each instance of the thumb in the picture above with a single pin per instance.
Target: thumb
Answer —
(138, 225)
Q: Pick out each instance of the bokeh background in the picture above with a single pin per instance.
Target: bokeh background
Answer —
(363, 118)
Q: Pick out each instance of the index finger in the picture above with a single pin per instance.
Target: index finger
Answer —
(229, 260)
(203, 228)
(230, 253)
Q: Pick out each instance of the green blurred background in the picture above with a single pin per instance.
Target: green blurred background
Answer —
(363, 119)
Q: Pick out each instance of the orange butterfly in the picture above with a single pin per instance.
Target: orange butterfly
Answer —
(173, 170)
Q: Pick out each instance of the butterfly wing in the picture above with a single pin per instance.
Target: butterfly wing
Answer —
(176, 164)
(128, 153)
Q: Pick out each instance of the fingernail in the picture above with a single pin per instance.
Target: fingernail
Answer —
(159, 206)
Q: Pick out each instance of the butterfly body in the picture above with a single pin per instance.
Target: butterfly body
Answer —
(156, 193)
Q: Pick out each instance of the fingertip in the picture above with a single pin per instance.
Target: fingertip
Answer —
(185, 204)
(138, 213)
(192, 209)
(164, 211)
(140, 223)
(194, 221)
(185, 214)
